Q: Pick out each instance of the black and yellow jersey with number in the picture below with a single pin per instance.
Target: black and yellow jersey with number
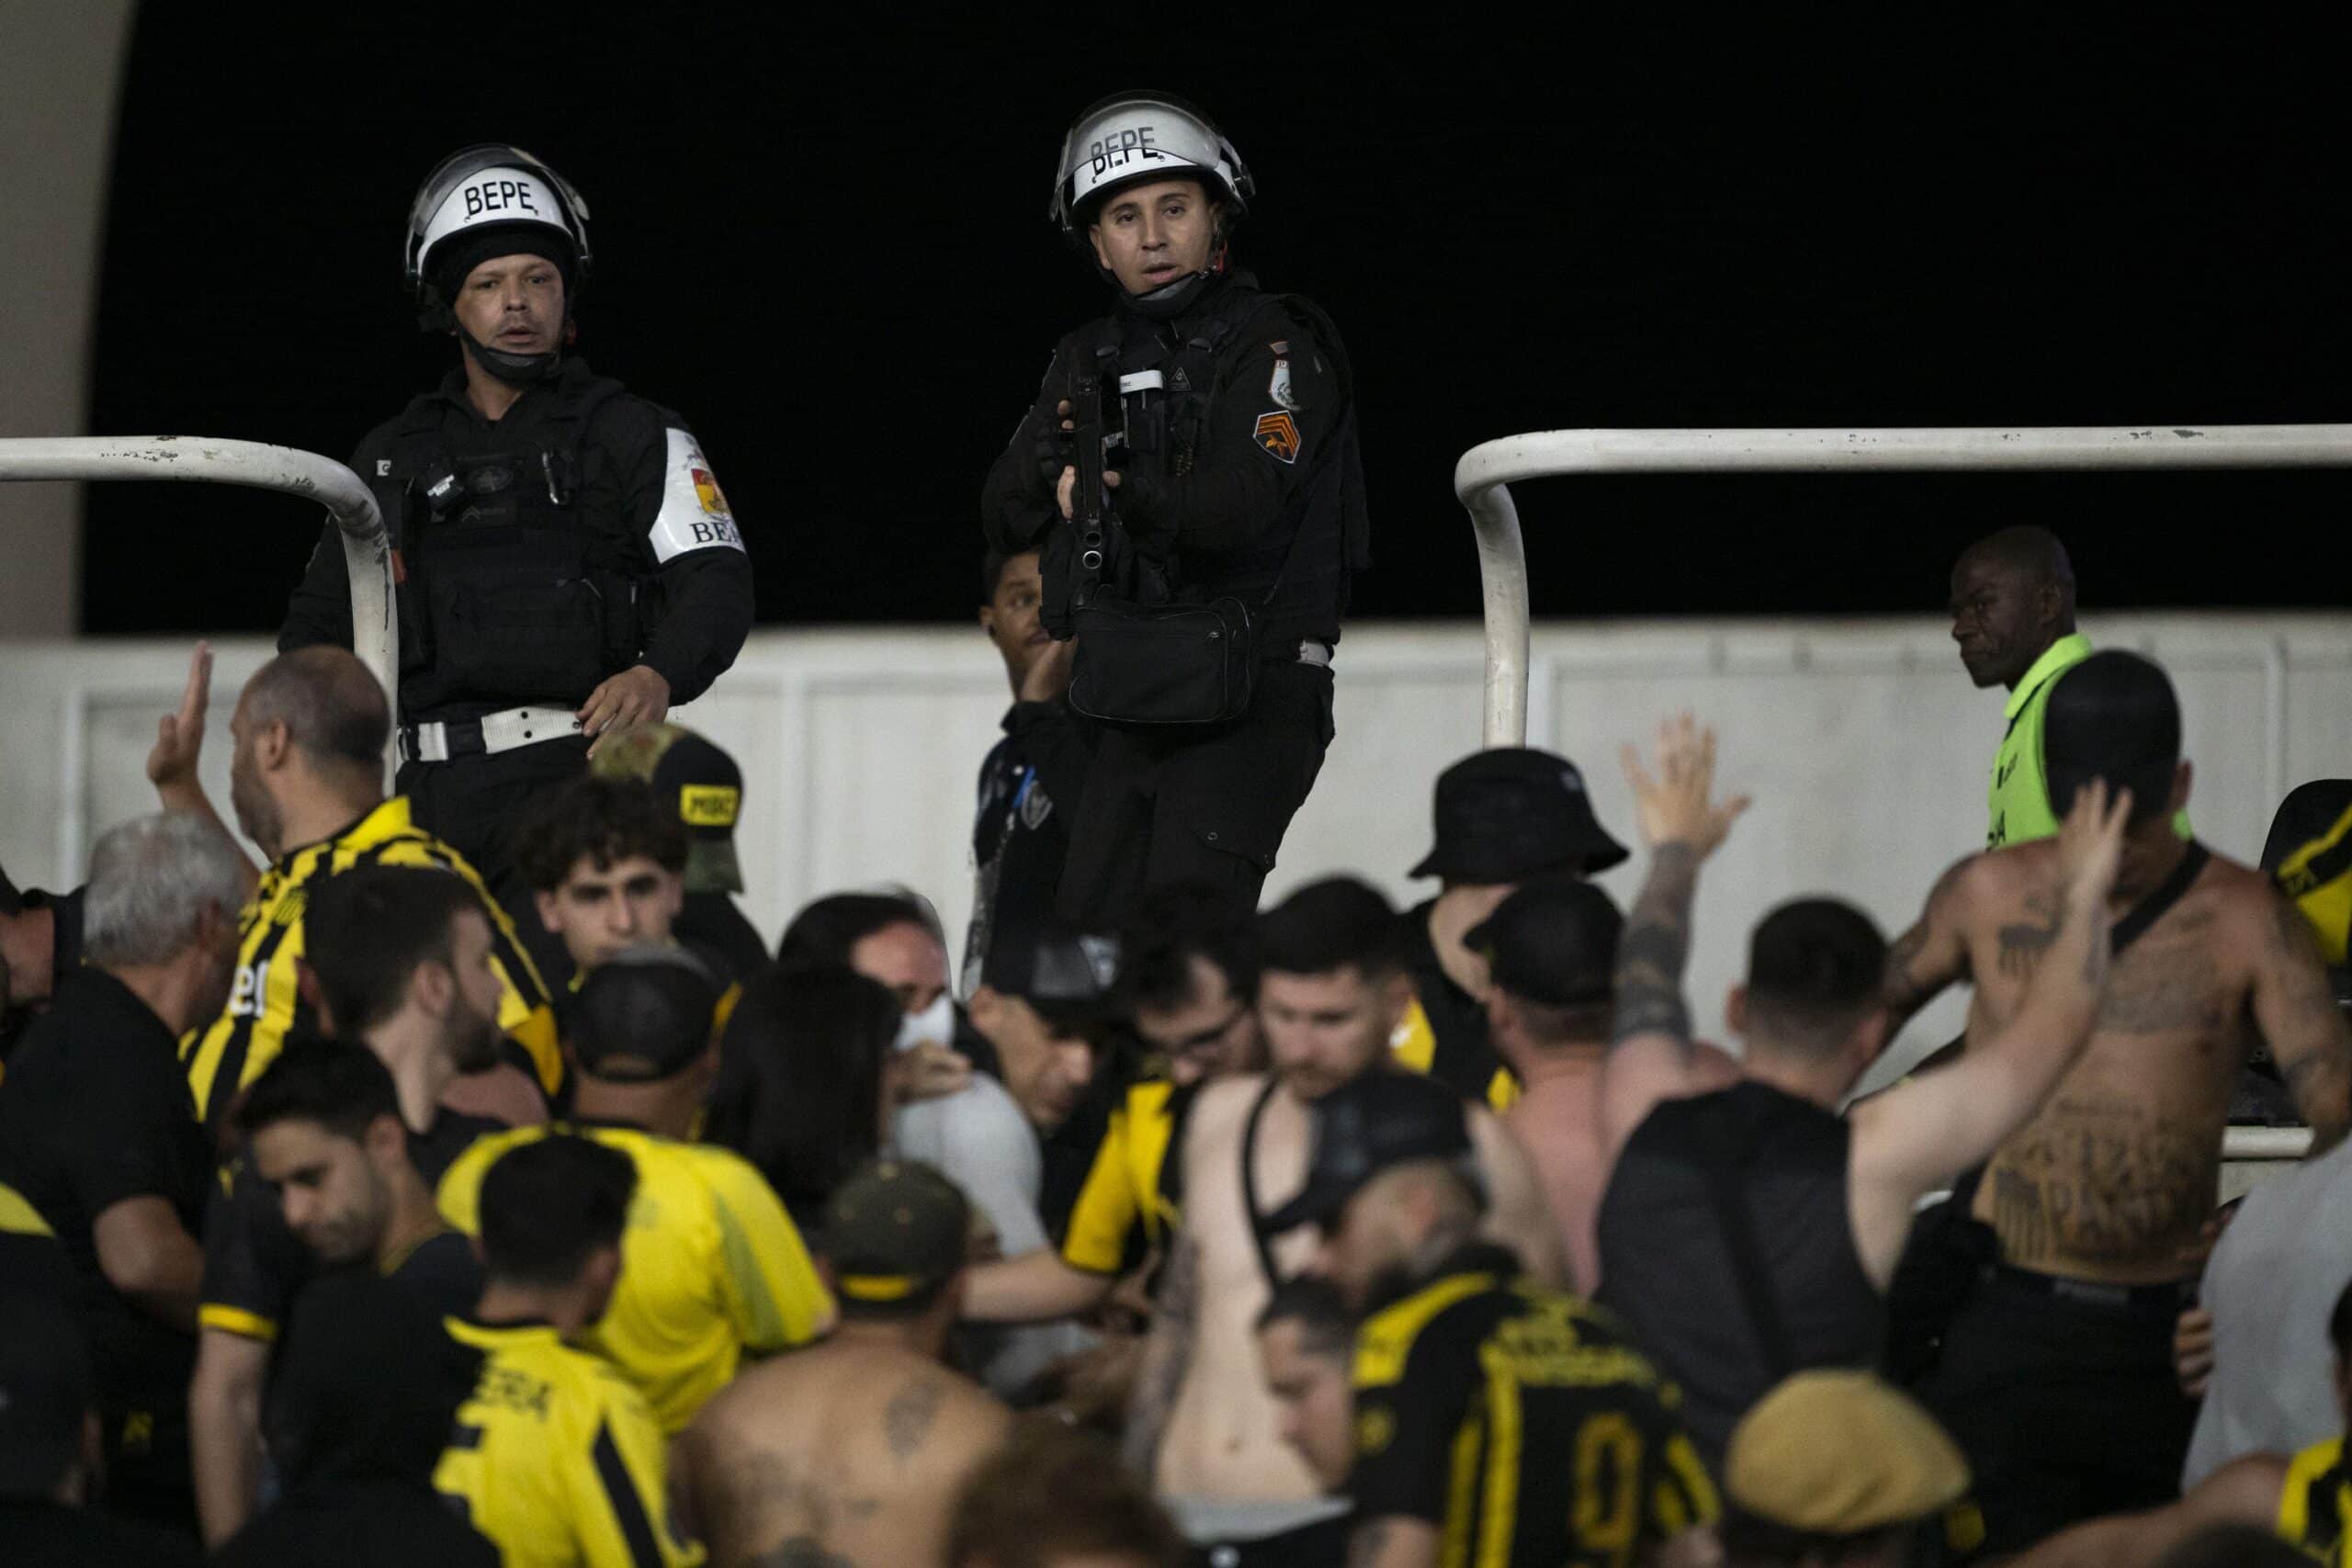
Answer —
(556, 1458)
(1521, 1423)
(266, 999)
(711, 1265)
(1133, 1190)
(2317, 1504)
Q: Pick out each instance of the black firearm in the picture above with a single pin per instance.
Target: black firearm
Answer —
(1082, 554)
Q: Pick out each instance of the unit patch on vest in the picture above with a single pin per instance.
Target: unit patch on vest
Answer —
(693, 514)
(1278, 388)
(1278, 434)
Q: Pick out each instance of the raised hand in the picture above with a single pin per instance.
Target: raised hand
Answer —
(2090, 841)
(179, 737)
(1677, 806)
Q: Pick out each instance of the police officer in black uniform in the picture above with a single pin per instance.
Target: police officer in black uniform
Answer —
(566, 563)
(1201, 553)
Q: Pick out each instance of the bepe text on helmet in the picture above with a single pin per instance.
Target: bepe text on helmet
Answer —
(1120, 147)
(495, 195)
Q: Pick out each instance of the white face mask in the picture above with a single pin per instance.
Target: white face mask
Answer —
(936, 1023)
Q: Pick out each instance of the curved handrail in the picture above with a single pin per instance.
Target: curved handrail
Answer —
(367, 551)
(1483, 477)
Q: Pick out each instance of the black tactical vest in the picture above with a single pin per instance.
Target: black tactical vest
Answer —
(510, 592)
(1160, 381)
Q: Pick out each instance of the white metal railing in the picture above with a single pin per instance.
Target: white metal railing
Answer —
(1483, 477)
(375, 628)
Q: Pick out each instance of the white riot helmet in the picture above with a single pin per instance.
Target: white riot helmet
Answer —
(1130, 137)
(485, 201)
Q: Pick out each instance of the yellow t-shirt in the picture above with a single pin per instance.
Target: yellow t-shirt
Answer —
(267, 996)
(557, 1459)
(711, 1265)
(2316, 1503)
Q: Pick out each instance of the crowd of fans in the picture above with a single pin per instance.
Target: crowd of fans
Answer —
(333, 1229)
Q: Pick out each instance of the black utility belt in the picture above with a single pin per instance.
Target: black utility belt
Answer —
(1173, 665)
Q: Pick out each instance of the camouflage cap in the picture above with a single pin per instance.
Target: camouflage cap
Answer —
(696, 779)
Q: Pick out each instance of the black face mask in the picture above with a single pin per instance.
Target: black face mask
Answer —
(1169, 300)
(514, 369)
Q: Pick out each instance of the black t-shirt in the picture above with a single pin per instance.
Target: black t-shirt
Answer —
(376, 1524)
(253, 1265)
(95, 1111)
(1464, 1056)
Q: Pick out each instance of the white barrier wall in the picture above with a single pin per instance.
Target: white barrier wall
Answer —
(1863, 743)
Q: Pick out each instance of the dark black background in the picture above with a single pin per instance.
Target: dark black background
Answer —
(828, 249)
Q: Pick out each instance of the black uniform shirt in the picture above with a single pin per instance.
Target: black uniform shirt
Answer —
(1028, 795)
(1519, 1422)
(639, 479)
(96, 1110)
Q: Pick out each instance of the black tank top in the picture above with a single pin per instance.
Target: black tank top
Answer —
(1669, 1270)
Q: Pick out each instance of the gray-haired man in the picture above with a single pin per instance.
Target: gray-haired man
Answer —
(97, 1132)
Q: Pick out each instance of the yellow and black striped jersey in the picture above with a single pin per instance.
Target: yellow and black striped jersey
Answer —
(711, 1265)
(1130, 1203)
(2317, 1504)
(1520, 1421)
(265, 1001)
(557, 1459)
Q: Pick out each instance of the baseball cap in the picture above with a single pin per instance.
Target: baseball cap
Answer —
(45, 1388)
(1553, 942)
(1375, 1120)
(1835, 1451)
(1068, 975)
(693, 777)
(1507, 813)
(643, 1014)
(895, 1232)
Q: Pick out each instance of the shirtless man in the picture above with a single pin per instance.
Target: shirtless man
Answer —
(2056, 1374)
(851, 1455)
(1551, 955)
(1204, 1425)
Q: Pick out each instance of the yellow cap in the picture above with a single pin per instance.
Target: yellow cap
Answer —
(1838, 1452)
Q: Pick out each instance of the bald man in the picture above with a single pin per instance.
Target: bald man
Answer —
(2013, 616)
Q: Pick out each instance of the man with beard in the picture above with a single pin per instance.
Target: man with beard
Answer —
(306, 785)
(1331, 989)
(404, 962)
(96, 1136)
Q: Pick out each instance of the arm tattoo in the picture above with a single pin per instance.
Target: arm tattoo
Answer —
(1652, 952)
(1167, 1356)
(906, 1420)
(2023, 942)
(2314, 1063)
